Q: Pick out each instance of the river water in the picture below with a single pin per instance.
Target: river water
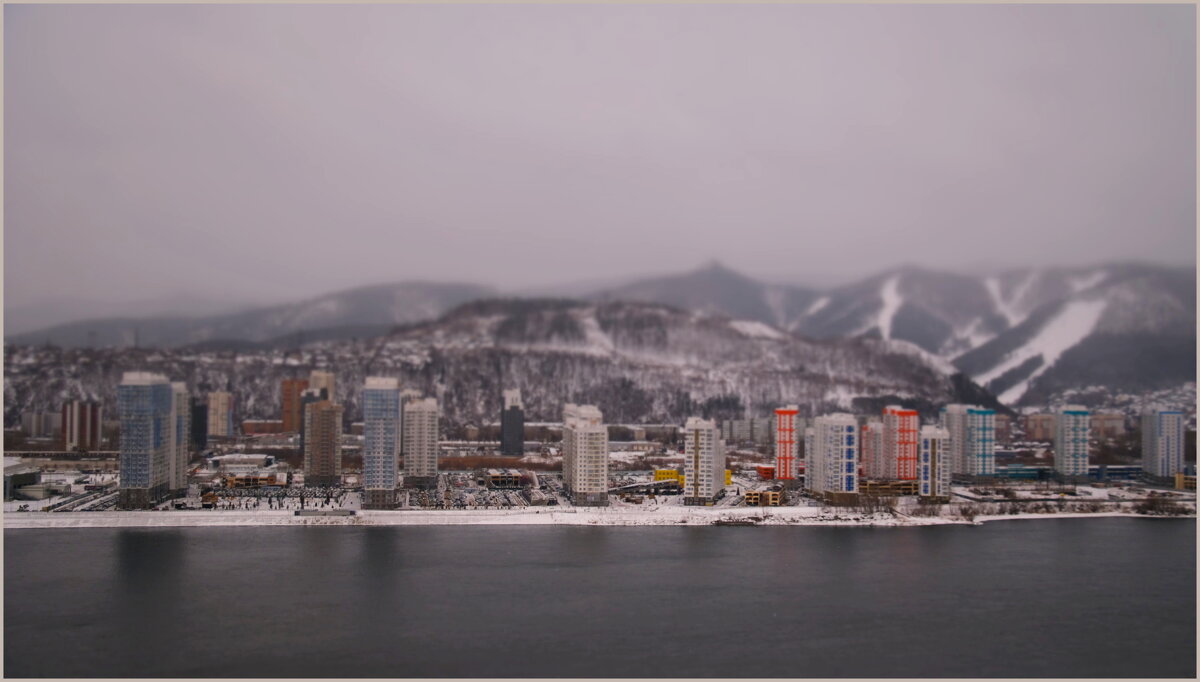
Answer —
(1046, 598)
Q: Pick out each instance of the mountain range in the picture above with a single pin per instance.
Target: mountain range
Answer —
(1026, 334)
(639, 362)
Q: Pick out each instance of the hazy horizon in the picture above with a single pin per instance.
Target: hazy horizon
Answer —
(259, 154)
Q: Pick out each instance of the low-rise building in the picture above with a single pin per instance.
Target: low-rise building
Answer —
(255, 427)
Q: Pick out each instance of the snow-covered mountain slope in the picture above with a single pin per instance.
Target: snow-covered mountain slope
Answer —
(717, 289)
(365, 311)
(942, 313)
(1129, 328)
(1029, 332)
(638, 362)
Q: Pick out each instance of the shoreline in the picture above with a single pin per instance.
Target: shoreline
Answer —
(756, 516)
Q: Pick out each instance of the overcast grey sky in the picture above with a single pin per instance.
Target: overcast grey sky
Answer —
(273, 152)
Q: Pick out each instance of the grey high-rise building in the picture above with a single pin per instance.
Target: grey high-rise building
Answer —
(199, 424)
(1162, 441)
(381, 442)
(180, 439)
(512, 425)
(144, 403)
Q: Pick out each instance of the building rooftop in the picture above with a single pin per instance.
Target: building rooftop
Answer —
(142, 379)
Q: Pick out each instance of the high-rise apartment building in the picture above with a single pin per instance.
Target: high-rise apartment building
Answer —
(933, 470)
(81, 422)
(900, 428)
(1071, 441)
(1110, 425)
(181, 411)
(512, 424)
(972, 439)
(1039, 427)
(1003, 428)
(832, 463)
(787, 443)
(291, 411)
(1162, 441)
(36, 424)
(407, 395)
(703, 462)
(144, 406)
(751, 430)
(199, 425)
(320, 379)
(585, 455)
(322, 443)
(220, 414)
(307, 397)
(871, 452)
(420, 441)
(381, 442)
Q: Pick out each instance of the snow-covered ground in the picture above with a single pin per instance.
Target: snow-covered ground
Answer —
(661, 515)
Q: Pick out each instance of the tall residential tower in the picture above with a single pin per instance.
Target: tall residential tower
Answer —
(220, 414)
(381, 442)
(972, 439)
(831, 467)
(144, 405)
(420, 442)
(787, 443)
(900, 428)
(1162, 441)
(1071, 441)
(585, 455)
(703, 462)
(322, 444)
(512, 424)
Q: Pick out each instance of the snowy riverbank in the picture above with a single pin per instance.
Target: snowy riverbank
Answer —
(806, 516)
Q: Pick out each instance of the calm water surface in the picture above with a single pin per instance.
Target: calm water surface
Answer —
(1045, 598)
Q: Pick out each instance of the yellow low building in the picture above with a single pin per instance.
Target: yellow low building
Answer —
(763, 498)
(1185, 482)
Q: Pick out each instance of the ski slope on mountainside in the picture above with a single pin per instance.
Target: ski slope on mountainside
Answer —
(890, 294)
(1071, 325)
